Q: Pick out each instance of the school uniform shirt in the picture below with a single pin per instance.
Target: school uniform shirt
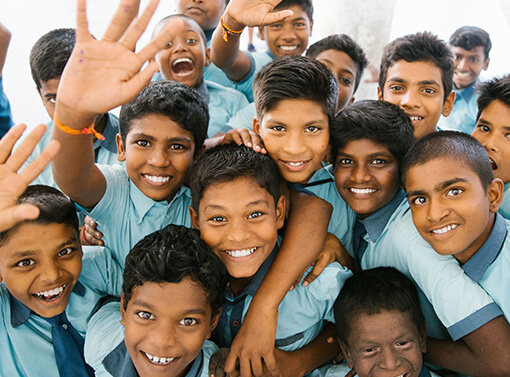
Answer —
(27, 347)
(301, 314)
(125, 215)
(340, 370)
(5, 111)
(460, 304)
(463, 116)
(504, 208)
(106, 352)
(105, 151)
(490, 265)
(258, 60)
(243, 118)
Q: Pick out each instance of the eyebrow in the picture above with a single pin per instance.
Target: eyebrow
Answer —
(423, 82)
(251, 204)
(484, 121)
(152, 138)
(373, 155)
(439, 187)
(139, 302)
(29, 253)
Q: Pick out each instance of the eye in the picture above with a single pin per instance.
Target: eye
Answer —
(143, 143)
(345, 80)
(403, 344)
(313, 129)
(419, 200)
(429, 90)
(65, 252)
(396, 88)
(474, 60)
(25, 263)
(169, 44)
(188, 321)
(454, 192)
(345, 161)
(278, 128)
(176, 147)
(218, 219)
(378, 161)
(191, 40)
(275, 26)
(52, 99)
(300, 24)
(255, 215)
(368, 351)
(145, 315)
(483, 128)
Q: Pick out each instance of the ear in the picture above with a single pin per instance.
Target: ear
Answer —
(352, 99)
(423, 339)
(262, 35)
(448, 104)
(256, 125)
(495, 194)
(214, 323)
(194, 218)
(207, 56)
(379, 94)
(121, 152)
(200, 152)
(280, 212)
(122, 310)
(486, 64)
(347, 354)
(311, 27)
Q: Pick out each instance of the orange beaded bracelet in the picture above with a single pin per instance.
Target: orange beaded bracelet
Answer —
(227, 30)
(85, 131)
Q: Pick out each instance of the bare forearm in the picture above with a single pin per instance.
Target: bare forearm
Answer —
(5, 38)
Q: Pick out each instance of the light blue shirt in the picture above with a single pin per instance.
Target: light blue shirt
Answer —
(490, 265)
(125, 215)
(27, 347)
(504, 208)
(5, 111)
(105, 150)
(341, 370)
(244, 117)
(463, 116)
(258, 60)
(301, 314)
(460, 304)
(106, 352)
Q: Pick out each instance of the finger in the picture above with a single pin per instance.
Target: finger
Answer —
(9, 140)
(139, 26)
(230, 363)
(13, 215)
(246, 138)
(271, 18)
(82, 25)
(39, 164)
(125, 14)
(271, 365)
(320, 265)
(25, 149)
(257, 367)
(245, 367)
(140, 80)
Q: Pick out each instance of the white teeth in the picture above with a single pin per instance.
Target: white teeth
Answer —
(182, 60)
(159, 360)
(51, 294)
(463, 74)
(445, 229)
(416, 118)
(157, 179)
(240, 253)
(295, 163)
(363, 191)
(288, 48)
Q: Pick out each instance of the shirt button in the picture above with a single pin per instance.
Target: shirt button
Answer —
(64, 326)
(235, 323)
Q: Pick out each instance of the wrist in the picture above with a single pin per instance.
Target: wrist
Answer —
(232, 23)
(74, 118)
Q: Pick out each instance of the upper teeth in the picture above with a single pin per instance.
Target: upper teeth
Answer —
(463, 74)
(362, 191)
(158, 360)
(288, 48)
(295, 163)
(182, 60)
(415, 118)
(51, 292)
(445, 229)
(157, 179)
(240, 253)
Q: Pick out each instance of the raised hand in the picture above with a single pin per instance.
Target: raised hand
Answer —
(240, 13)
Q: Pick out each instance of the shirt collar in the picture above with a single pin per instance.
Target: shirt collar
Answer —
(376, 222)
(20, 313)
(466, 93)
(110, 133)
(424, 371)
(208, 34)
(476, 266)
(204, 92)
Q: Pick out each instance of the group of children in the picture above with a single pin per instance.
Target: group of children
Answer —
(258, 221)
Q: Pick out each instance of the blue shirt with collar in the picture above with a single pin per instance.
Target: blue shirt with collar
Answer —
(341, 370)
(504, 208)
(465, 108)
(5, 111)
(125, 215)
(490, 265)
(257, 60)
(27, 347)
(244, 117)
(301, 314)
(447, 294)
(105, 151)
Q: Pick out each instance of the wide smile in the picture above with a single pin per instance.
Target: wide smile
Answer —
(183, 67)
(444, 230)
(415, 119)
(493, 164)
(51, 295)
(295, 165)
(156, 180)
(158, 360)
(362, 191)
(241, 253)
(288, 48)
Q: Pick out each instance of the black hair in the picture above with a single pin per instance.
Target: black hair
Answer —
(161, 23)
(371, 291)
(50, 54)
(458, 146)
(54, 208)
(306, 5)
(170, 255)
(295, 77)
(379, 121)
(344, 43)
(419, 47)
(225, 163)
(498, 88)
(469, 37)
(172, 99)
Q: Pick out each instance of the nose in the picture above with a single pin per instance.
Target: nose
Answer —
(238, 231)
(294, 144)
(51, 271)
(490, 143)
(288, 32)
(159, 158)
(179, 45)
(360, 174)
(389, 360)
(410, 100)
(436, 210)
(163, 336)
(461, 63)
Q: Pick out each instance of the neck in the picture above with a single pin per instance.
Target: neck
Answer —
(238, 285)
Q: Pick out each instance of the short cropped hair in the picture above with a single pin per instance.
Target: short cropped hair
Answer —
(344, 43)
(371, 291)
(498, 88)
(295, 77)
(54, 208)
(225, 163)
(170, 255)
(306, 5)
(378, 121)
(458, 146)
(469, 37)
(172, 99)
(50, 54)
(419, 47)
(161, 23)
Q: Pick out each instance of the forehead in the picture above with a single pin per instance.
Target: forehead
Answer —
(296, 112)
(338, 60)
(299, 13)
(415, 73)
(158, 126)
(364, 147)
(179, 25)
(475, 51)
(50, 86)
(497, 113)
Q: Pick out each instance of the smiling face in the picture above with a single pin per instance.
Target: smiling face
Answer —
(417, 88)
(296, 136)
(185, 55)
(158, 154)
(164, 336)
(387, 344)
(239, 221)
(366, 176)
(493, 131)
(344, 70)
(468, 65)
(40, 264)
(290, 36)
(206, 13)
(451, 209)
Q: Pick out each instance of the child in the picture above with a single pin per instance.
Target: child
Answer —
(470, 47)
(47, 294)
(416, 75)
(346, 59)
(492, 131)
(184, 59)
(172, 296)
(238, 209)
(286, 33)
(206, 13)
(368, 141)
(380, 326)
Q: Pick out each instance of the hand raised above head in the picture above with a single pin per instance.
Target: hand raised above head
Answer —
(240, 13)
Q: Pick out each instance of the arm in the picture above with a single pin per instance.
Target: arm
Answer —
(239, 14)
(5, 38)
(304, 239)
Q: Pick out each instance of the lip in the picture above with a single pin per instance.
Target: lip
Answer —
(55, 299)
(362, 191)
(156, 180)
(415, 118)
(183, 59)
(295, 166)
(241, 253)
(195, 9)
(443, 231)
(494, 165)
